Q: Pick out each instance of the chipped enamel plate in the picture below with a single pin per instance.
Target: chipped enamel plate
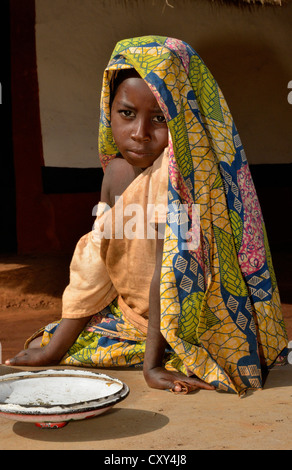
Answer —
(51, 398)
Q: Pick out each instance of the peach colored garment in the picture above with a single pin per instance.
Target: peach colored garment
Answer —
(103, 269)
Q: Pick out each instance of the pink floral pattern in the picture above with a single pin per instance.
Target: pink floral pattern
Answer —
(178, 47)
(252, 253)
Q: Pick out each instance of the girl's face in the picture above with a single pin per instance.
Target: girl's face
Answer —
(138, 124)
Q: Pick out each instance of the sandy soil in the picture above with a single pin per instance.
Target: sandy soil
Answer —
(31, 288)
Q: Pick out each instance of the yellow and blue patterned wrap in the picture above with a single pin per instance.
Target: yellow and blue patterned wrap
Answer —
(220, 306)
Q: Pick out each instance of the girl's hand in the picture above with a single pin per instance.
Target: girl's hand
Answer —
(31, 357)
(161, 378)
(54, 351)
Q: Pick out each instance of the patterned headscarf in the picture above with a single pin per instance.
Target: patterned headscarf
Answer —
(220, 306)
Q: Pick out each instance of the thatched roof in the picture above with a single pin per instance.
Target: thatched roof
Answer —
(263, 2)
(243, 3)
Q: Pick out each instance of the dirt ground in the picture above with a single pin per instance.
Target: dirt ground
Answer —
(30, 297)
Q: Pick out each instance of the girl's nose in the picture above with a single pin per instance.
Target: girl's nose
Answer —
(140, 130)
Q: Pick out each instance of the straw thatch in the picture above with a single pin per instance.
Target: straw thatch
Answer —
(263, 2)
(241, 3)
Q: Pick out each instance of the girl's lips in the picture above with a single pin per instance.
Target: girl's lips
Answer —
(139, 153)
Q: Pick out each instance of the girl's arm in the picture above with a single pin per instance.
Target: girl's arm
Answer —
(52, 353)
(155, 343)
(155, 374)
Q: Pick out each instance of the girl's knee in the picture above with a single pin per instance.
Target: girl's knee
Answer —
(35, 343)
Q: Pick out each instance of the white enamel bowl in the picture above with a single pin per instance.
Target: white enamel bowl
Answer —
(51, 398)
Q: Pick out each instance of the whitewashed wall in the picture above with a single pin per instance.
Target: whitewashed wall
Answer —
(248, 50)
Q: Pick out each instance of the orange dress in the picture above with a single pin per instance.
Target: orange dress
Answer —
(111, 272)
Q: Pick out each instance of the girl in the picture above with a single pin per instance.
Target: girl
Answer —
(202, 290)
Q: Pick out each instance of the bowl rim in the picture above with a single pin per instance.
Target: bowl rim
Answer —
(79, 407)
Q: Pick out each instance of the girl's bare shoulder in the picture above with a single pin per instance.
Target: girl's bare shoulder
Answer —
(118, 175)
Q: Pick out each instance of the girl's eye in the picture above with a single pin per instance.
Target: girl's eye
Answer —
(126, 113)
(160, 119)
